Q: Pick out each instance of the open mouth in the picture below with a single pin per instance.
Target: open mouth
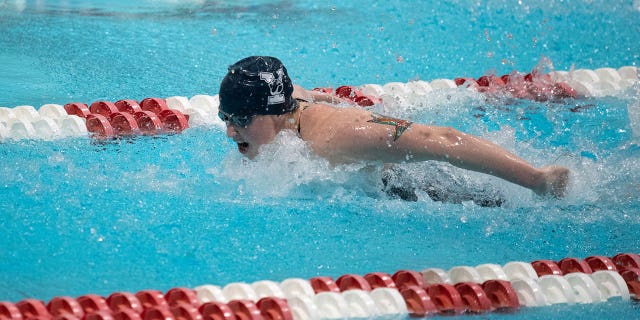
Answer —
(243, 147)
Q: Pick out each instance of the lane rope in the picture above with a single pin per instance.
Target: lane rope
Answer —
(150, 116)
(459, 290)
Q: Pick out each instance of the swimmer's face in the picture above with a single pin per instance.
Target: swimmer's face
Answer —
(261, 130)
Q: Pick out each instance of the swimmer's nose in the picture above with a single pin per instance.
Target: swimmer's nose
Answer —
(231, 131)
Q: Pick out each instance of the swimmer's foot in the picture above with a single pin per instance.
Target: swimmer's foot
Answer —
(553, 182)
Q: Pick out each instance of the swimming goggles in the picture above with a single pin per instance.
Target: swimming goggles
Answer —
(241, 121)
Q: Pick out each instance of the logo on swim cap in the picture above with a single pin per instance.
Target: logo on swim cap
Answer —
(256, 85)
(276, 87)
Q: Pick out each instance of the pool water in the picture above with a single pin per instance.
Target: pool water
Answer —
(84, 216)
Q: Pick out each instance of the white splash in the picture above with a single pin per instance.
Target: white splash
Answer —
(286, 164)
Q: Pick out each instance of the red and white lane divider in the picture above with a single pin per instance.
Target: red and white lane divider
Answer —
(462, 289)
(104, 119)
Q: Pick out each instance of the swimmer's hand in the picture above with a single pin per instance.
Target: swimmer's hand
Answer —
(553, 182)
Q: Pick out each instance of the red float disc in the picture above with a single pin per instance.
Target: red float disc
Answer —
(173, 121)
(347, 92)
(528, 77)
(626, 260)
(545, 267)
(352, 281)
(379, 280)
(98, 124)
(634, 288)
(273, 308)
(570, 265)
(245, 310)
(105, 108)
(364, 101)
(32, 308)
(446, 298)
(155, 105)
(323, 284)
(124, 301)
(486, 81)
(61, 305)
(469, 82)
(501, 294)
(176, 296)
(126, 314)
(408, 278)
(91, 303)
(99, 315)
(65, 316)
(216, 311)
(148, 122)
(124, 124)
(630, 274)
(128, 106)
(157, 313)
(418, 302)
(597, 263)
(186, 312)
(77, 109)
(152, 298)
(474, 297)
(9, 311)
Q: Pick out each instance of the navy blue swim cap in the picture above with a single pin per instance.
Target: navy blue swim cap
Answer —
(256, 85)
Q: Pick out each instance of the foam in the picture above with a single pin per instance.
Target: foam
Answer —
(294, 165)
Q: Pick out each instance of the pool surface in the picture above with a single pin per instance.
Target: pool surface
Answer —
(82, 215)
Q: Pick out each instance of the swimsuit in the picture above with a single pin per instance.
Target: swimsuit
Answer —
(439, 185)
(305, 104)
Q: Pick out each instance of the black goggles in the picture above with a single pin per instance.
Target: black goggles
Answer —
(241, 121)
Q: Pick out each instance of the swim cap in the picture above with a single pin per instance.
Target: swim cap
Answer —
(256, 85)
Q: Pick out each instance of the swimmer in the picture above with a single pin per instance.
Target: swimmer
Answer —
(258, 100)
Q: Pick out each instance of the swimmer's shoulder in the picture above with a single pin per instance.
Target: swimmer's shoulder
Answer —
(315, 113)
(319, 117)
(323, 110)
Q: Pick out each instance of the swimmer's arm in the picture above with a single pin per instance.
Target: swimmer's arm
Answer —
(373, 141)
(317, 96)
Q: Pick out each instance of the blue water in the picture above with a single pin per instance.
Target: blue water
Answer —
(81, 216)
